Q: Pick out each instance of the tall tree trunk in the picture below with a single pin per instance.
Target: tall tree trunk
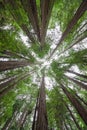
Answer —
(8, 65)
(9, 122)
(80, 11)
(82, 85)
(46, 9)
(82, 34)
(81, 80)
(23, 117)
(14, 55)
(66, 127)
(80, 75)
(6, 78)
(33, 16)
(81, 99)
(7, 82)
(42, 123)
(71, 114)
(80, 109)
(34, 118)
(15, 6)
(6, 90)
(76, 42)
(70, 126)
(28, 33)
(80, 30)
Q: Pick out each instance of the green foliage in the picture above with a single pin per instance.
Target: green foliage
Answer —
(17, 12)
(59, 69)
(63, 12)
(78, 58)
(56, 108)
(6, 104)
(40, 52)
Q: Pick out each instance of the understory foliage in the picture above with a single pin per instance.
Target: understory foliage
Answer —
(43, 80)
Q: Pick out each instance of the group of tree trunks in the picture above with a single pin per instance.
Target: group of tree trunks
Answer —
(10, 83)
(76, 103)
(8, 65)
(19, 122)
(40, 121)
(80, 11)
(30, 8)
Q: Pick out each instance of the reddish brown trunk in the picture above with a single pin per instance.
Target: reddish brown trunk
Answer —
(33, 16)
(46, 9)
(80, 109)
(81, 99)
(15, 6)
(66, 127)
(70, 126)
(42, 123)
(80, 75)
(23, 117)
(76, 42)
(6, 78)
(82, 85)
(28, 33)
(14, 54)
(77, 125)
(9, 122)
(8, 65)
(82, 34)
(7, 82)
(80, 11)
(79, 30)
(4, 56)
(81, 80)
(6, 90)
(34, 118)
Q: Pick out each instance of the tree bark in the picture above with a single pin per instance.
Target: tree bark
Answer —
(15, 6)
(22, 119)
(80, 75)
(9, 122)
(81, 99)
(79, 30)
(28, 33)
(34, 118)
(75, 102)
(76, 42)
(6, 90)
(82, 85)
(66, 127)
(8, 65)
(46, 9)
(6, 78)
(7, 82)
(31, 10)
(80, 11)
(70, 126)
(14, 55)
(71, 114)
(42, 123)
